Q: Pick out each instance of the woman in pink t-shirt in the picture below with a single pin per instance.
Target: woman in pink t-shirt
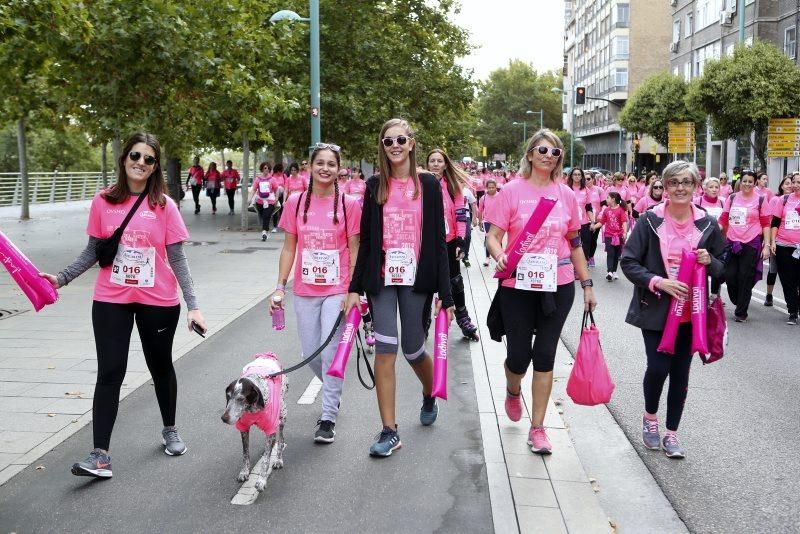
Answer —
(485, 206)
(265, 195)
(230, 178)
(745, 220)
(213, 182)
(321, 228)
(577, 182)
(615, 220)
(784, 188)
(356, 186)
(402, 262)
(725, 188)
(295, 182)
(456, 226)
(785, 244)
(762, 187)
(654, 196)
(597, 197)
(538, 297)
(141, 286)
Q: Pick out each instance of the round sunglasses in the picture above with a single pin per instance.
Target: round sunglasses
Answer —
(136, 156)
(401, 140)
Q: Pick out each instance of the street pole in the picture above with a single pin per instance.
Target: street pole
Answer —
(524, 131)
(541, 119)
(619, 151)
(315, 89)
(741, 21)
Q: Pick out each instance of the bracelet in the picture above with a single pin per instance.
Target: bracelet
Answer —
(280, 287)
(587, 283)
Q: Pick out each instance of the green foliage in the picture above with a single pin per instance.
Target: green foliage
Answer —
(577, 149)
(506, 96)
(742, 92)
(659, 100)
(62, 149)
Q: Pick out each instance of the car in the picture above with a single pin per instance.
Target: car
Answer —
(598, 169)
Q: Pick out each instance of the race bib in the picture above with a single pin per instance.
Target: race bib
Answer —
(264, 190)
(134, 267)
(792, 220)
(193, 181)
(738, 216)
(537, 272)
(401, 267)
(320, 267)
(714, 212)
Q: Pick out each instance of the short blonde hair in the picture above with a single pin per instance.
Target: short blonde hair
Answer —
(525, 167)
(679, 167)
(710, 180)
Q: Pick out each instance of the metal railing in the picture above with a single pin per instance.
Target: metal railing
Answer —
(48, 187)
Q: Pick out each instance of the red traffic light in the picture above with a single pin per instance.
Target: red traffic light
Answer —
(580, 95)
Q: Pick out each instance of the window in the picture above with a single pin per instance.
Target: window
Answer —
(790, 42)
(689, 28)
(622, 15)
(619, 47)
(621, 78)
(707, 12)
(676, 31)
(704, 54)
(687, 71)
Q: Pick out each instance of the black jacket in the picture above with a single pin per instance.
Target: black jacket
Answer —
(433, 273)
(641, 260)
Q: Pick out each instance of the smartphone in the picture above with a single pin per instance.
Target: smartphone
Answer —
(196, 328)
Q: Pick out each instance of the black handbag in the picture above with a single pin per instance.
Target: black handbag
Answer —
(106, 249)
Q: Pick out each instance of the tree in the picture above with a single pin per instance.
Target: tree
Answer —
(577, 148)
(59, 147)
(741, 92)
(506, 97)
(659, 100)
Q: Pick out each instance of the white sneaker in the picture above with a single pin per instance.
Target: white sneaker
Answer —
(274, 230)
(614, 275)
(264, 235)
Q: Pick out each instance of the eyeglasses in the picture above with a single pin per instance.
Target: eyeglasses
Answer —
(148, 159)
(674, 184)
(326, 146)
(658, 187)
(401, 140)
(555, 152)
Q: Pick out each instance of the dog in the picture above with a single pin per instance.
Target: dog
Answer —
(256, 399)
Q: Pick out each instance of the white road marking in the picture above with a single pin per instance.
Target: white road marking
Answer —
(775, 299)
(310, 394)
(248, 493)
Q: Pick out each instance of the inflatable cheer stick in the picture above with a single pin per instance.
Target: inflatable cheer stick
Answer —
(678, 308)
(38, 290)
(699, 310)
(526, 236)
(345, 343)
(440, 355)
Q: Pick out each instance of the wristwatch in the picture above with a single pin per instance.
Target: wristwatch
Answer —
(587, 283)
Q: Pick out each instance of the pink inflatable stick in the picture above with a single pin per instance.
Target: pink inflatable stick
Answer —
(38, 290)
(527, 235)
(345, 343)
(699, 310)
(678, 308)
(440, 355)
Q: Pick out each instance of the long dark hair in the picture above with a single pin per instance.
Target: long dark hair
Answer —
(155, 188)
(583, 177)
(455, 178)
(314, 155)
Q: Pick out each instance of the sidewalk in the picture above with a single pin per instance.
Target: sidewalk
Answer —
(47, 360)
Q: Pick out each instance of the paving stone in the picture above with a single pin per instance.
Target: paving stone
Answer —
(580, 507)
(68, 406)
(540, 520)
(533, 492)
(33, 422)
(39, 363)
(20, 442)
(23, 404)
(526, 465)
(59, 391)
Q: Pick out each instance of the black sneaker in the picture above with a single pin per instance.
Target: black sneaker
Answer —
(429, 411)
(768, 301)
(792, 319)
(325, 432)
(98, 464)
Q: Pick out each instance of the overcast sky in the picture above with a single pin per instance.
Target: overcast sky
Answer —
(530, 30)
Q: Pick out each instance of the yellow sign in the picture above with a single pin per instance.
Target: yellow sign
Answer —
(783, 153)
(783, 144)
(786, 130)
(784, 122)
(681, 139)
(682, 125)
(782, 138)
(485, 152)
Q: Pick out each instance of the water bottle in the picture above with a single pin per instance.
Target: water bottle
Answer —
(278, 319)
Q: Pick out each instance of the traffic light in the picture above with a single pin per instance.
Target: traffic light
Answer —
(580, 95)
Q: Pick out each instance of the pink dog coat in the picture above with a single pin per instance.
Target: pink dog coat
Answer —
(258, 370)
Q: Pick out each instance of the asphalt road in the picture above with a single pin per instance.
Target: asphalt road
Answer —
(436, 482)
(741, 420)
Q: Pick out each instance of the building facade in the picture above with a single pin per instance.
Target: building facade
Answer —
(610, 47)
(709, 29)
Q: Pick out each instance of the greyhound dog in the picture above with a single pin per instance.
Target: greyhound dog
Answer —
(258, 399)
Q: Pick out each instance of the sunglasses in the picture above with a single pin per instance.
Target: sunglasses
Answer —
(326, 146)
(148, 160)
(658, 187)
(543, 150)
(401, 140)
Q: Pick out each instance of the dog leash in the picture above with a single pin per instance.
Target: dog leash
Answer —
(360, 352)
(316, 352)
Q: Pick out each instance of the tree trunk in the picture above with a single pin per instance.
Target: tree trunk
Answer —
(104, 162)
(23, 166)
(759, 143)
(278, 156)
(174, 178)
(222, 157)
(116, 149)
(245, 178)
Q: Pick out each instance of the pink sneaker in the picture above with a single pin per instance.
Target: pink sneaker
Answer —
(514, 406)
(537, 439)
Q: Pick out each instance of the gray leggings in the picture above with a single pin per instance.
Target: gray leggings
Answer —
(413, 308)
(315, 318)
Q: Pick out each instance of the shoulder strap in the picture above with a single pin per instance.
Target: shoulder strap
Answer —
(344, 210)
(785, 199)
(132, 211)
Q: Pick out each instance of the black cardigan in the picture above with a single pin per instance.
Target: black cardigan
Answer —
(641, 260)
(433, 273)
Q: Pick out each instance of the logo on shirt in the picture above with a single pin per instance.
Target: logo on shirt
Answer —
(147, 214)
(112, 211)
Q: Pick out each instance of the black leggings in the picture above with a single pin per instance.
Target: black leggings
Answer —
(486, 226)
(660, 366)
(789, 271)
(586, 239)
(112, 325)
(456, 281)
(213, 196)
(522, 315)
(277, 215)
(265, 214)
(231, 193)
(740, 276)
(613, 253)
(196, 196)
(593, 242)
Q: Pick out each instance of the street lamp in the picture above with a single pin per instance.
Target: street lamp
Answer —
(524, 129)
(291, 16)
(541, 117)
(571, 125)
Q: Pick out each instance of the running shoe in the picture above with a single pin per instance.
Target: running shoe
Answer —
(608, 276)
(614, 275)
(387, 442)
(98, 464)
(537, 439)
(274, 230)
(514, 405)
(173, 444)
(672, 447)
(325, 431)
(429, 411)
(650, 436)
(792, 319)
(740, 318)
(768, 300)
(263, 235)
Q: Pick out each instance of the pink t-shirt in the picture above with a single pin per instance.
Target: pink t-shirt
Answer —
(452, 228)
(295, 184)
(213, 179)
(500, 181)
(515, 205)
(613, 219)
(402, 217)
(265, 193)
(486, 204)
(713, 207)
(645, 203)
(196, 175)
(789, 230)
(623, 192)
(132, 277)
(231, 178)
(743, 219)
(321, 243)
(596, 196)
(582, 198)
(725, 190)
(356, 187)
(278, 179)
(765, 192)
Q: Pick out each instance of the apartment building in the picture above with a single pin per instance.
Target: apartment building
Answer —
(709, 29)
(610, 47)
